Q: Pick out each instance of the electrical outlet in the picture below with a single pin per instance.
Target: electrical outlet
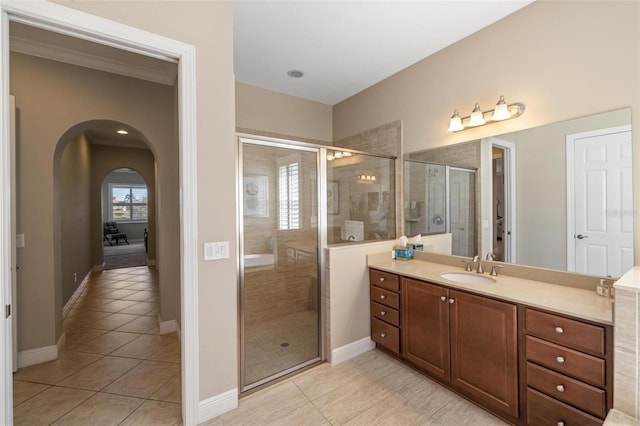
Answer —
(216, 250)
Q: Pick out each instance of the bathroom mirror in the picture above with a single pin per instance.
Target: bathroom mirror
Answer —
(527, 206)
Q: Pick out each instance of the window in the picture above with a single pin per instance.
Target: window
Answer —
(288, 197)
(128, 203)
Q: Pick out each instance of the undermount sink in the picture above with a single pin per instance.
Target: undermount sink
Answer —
(467, 278)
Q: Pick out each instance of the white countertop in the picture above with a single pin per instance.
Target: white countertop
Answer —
(584, 304)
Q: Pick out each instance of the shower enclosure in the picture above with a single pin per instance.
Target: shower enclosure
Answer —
(294, 200)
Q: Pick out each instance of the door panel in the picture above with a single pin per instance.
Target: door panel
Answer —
(603, 203)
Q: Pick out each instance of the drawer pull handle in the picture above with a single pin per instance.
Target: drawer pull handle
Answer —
(452, 301)
(382, 279)
(560, 388)
(443, 298)
(383, 313)
(383, 335)
(382, 296)
(560, 359)
(559, 330)
(561, 423)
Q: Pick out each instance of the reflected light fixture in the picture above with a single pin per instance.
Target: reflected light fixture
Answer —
(335, 155)
(366, 178)
(122, 132)
(501, 112)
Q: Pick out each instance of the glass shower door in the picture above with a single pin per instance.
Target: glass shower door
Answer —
(280, 315)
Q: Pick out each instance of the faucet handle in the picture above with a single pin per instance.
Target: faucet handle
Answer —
(468, 266)
(491, 256)
(494, 270)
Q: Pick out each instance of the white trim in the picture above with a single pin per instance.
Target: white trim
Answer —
(509, 170)
(74, 23)
(217, 405)
(570, 141)
(37, 356)
(75, 295)
(351, 350)
(167, 327)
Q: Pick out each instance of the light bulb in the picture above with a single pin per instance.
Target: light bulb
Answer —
(501, 112)
(455, 124)
(477, 118)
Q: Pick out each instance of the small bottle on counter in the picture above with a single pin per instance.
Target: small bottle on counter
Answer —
(602, 289)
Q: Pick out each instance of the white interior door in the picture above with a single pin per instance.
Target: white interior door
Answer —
(462, 214)
(602, 237)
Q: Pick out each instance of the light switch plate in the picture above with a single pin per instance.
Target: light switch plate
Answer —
(19, 240)
(216, 250)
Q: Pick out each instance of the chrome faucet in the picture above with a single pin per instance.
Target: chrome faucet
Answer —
(479, 270)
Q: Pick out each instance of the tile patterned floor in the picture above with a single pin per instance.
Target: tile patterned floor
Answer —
(116, 369)
(371, 389)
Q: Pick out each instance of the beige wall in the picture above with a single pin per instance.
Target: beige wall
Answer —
(56, 102)
(561, 59)
(72, 186)
(279, 114)
(208, 27)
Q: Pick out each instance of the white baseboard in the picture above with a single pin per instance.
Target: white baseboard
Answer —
(217, 405)
(37, 356)
(76, 294)
(167, 327)
(351, 350)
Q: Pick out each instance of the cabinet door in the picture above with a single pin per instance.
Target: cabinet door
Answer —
(425, 326)
(484, 356)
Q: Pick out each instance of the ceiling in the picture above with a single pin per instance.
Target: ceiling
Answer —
(344, 47)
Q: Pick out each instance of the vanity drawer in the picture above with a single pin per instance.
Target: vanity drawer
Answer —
(385, 280)
(385, 335)
(543, 410)
(578, 365)
(385, 313)
(567, 332)
(580, 395)
(385, 297)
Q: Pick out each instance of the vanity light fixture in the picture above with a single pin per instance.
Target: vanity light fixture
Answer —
(502, 111)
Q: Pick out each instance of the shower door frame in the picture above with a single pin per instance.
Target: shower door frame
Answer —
(321, 203)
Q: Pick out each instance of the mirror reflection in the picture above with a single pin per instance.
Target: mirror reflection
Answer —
(557, 196)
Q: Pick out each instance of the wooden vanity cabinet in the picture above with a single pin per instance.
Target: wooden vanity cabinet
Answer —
(385, 309)
(467, 341)
(568, 369)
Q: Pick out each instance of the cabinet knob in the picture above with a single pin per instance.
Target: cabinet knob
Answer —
(383, 335)
(452, 300)
(560, 359)
(382, 279)
(560, 388)
(559, 330)
(383, 313)
(443, 298)
(382, 296)
(560, 422)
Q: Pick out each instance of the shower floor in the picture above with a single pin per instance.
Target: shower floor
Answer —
(276, 345)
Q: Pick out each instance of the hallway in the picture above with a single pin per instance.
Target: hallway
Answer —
(115, 369)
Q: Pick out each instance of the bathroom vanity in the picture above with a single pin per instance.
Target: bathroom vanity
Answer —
(524, 346)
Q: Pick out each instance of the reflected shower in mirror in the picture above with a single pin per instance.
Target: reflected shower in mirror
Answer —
(557, 196)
